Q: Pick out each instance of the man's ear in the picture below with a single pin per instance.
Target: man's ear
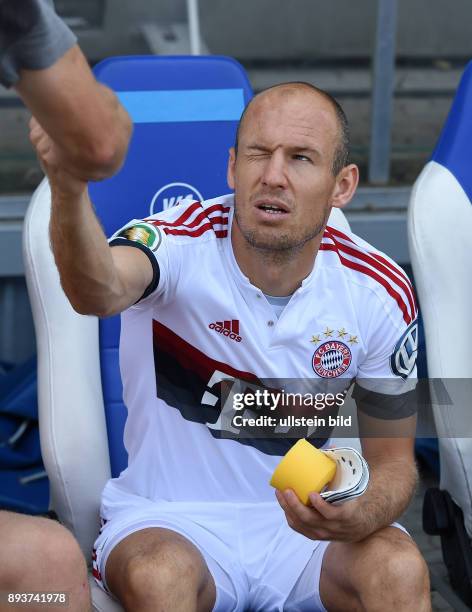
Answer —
(346, 184)
(231, 168)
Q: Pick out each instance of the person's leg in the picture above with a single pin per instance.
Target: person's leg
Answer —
(384, 573)
(38, 554)
(157, 569)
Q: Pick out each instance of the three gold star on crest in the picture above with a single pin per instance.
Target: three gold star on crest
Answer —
(328, 333)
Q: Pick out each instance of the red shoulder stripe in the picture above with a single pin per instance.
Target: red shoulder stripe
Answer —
(205, 214)
(381, 265)
(196, 221)
(369, 272)
(199, 231)
(387, 263)
(396, 271)
(336, 232)
(180, 220)
(193, 228)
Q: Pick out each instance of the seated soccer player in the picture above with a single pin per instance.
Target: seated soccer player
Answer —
(192, 523)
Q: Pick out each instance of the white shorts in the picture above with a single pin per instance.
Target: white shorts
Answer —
(257, 561)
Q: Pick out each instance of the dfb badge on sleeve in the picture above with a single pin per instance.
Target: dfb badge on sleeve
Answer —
(403, 358)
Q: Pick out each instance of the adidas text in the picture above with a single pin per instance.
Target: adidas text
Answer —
(226, 332)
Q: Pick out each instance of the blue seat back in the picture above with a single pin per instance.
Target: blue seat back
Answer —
(454, 147)
(439, 226)
(185, 112)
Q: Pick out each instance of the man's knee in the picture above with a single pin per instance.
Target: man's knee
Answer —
(400, 574)
(34, 546)
(162, 570)
(383, 572)
(61, 551)
(38, 554)
(166, 568)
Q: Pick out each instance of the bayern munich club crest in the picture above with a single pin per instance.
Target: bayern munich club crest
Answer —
(331, 359)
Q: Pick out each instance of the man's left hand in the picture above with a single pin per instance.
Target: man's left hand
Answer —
(322, 520)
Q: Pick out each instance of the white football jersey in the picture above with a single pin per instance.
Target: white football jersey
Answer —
(201, 322)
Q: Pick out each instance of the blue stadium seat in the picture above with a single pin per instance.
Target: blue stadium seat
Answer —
(185, 112)
(440, 238)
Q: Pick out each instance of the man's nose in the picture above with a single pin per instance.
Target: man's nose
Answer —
(274, 174)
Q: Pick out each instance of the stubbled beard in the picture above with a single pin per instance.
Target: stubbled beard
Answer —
(282, 247)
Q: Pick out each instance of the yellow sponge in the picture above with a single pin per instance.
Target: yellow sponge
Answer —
(304, 469)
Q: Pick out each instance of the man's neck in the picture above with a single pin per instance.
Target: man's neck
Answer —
(273, 272)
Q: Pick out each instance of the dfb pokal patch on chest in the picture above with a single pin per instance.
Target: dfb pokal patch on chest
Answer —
(331, 359)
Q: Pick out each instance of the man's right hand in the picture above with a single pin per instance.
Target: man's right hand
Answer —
(50, 158)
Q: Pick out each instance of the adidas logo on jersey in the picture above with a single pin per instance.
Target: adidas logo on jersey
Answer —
(230, 329)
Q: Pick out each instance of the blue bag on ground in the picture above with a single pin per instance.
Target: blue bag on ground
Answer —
(23, 484)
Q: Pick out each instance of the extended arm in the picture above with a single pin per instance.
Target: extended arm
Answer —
(84, 118)
(96, 278)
